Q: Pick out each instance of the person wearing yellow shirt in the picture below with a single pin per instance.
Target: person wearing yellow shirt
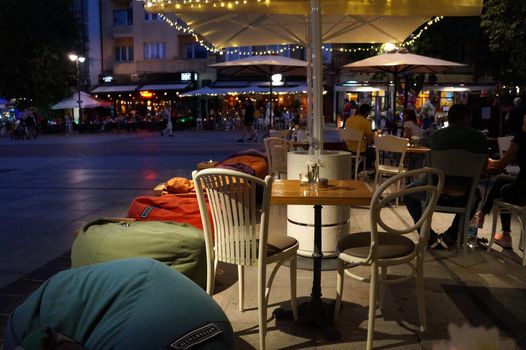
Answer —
(359, 121)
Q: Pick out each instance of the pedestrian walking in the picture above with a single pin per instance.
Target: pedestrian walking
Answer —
(69, 124)
(167, 115)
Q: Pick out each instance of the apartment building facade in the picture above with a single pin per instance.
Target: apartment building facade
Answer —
(137, 57)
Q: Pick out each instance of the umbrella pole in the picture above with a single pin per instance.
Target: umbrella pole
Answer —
(309, 76)
(317, 72)
(395, 93)
(270, 102)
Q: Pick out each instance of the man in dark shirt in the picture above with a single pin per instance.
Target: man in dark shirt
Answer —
(248, 122)
(458, 135)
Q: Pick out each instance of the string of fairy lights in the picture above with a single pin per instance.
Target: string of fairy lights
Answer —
(200, 4)
(181, 26)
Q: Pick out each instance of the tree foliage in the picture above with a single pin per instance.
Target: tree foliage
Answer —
(503, 23)
(36, 36)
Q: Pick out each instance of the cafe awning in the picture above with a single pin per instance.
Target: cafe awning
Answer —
(163, 87)
(101, 89)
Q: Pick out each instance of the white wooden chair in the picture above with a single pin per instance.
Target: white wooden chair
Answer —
(392, 148)
(504, 144)
(460, 163)
(503, 207)
(277, 149)
(238, 234)
(356, 136)
(391, 247)
(279, 133)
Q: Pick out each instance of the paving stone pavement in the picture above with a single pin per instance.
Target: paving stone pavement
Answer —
(51, 186)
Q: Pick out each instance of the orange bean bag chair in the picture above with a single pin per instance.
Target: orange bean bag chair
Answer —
(251, 162)
(170, 207)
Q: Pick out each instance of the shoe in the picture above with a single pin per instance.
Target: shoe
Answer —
(445, 242)
(433, 241)
(240, 140)
(478, 219)
(503, 239)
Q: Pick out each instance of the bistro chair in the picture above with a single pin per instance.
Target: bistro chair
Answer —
(461, 164)
(500, 207)
(355, 136)
(390, 247)
(277, 149)
(504, 144)
(240, 234)
(392, 148)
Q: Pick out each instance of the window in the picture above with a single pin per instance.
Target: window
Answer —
(124, 54)
(195, 51)
(151, 16)
(123, 17)
(154, 50)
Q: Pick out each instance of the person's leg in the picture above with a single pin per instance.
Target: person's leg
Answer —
(451, 234)
(513, 193)
(494, 193)
(413, 202)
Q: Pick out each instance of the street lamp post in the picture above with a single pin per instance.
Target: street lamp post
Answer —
(78, 59)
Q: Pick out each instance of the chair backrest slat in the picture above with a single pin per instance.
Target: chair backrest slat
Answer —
(382, 198)
(235, 217)
(352, 135)
(391, 144)
(504, 144)
(277, 149)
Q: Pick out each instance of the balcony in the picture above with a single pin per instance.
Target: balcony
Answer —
(173, 65)
(122, 31)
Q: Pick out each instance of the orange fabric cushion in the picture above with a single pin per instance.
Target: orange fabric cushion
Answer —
(167, 208)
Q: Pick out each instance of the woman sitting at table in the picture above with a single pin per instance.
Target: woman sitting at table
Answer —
(511, 189)
(411, 128)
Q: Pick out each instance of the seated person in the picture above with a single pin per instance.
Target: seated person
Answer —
(411, 128)
(511, 189)
(458, 135)
(359, 121)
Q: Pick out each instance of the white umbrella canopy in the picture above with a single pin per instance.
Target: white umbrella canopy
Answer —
(329, 7)
(402, 62)
(315, 10)
(254, 22)
(87, 101)
(263, 64)
(267, 65)
(252, 29)
(399, 62)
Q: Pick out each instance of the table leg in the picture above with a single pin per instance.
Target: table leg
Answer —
(315, 311)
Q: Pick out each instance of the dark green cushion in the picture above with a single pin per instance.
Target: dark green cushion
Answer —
(123, 305)
(180, 246)
(390, 245)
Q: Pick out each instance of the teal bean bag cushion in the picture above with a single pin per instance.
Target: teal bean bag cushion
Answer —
(180, 246)
(123, 305)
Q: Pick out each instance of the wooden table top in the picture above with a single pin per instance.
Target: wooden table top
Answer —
(338, 192)
(419, 149)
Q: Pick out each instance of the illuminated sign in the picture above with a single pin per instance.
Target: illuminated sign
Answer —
(146, 94)
(107, 79)
(186, 76)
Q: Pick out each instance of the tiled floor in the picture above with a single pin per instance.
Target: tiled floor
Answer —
(52, 185)
(489, 292)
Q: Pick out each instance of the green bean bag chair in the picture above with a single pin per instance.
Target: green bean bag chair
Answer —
(180, 246)
(124, 304)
